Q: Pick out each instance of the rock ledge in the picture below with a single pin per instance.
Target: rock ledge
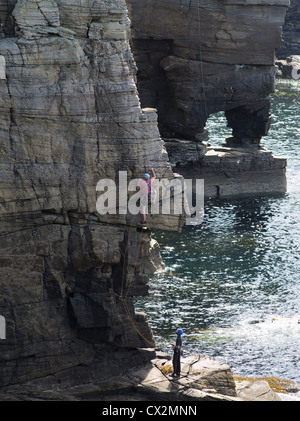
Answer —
(202, 379)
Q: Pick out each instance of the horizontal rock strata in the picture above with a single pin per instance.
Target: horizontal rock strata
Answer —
(196, 58)
(290, 32)
(70, 116)
(229, 172)
(199, 57)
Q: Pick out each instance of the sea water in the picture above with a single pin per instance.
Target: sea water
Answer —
(233, 283)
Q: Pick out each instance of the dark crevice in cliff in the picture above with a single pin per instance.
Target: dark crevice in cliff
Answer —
(51, 286)
(12, 120)
(291, 32)
(152, 84)
(7, 20)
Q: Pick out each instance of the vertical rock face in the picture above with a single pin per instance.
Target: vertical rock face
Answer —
(291, 32)
(70, 115)
(197, 57)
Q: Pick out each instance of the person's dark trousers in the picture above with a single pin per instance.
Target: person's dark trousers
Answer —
(176, 361)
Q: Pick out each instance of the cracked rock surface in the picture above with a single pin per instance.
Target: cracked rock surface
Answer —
(70, 116)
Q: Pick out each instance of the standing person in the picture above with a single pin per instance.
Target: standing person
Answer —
(145, 186)
(177, 354)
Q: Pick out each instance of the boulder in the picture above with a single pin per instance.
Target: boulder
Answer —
(289, 68)
(201, 377)
(257, 391)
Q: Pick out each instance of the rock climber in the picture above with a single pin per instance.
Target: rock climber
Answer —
(144, 186)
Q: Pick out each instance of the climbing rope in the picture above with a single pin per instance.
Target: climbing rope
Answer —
(123, 297)
(201, 60)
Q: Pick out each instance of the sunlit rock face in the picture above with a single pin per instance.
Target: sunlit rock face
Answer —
(202, 56)
(199, 57)
(70, 116)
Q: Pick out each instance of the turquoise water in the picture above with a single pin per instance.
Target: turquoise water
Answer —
(233, 283)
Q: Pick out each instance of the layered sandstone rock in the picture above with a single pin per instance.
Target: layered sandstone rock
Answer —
(229, 171)
(70, 115)
(199, 57)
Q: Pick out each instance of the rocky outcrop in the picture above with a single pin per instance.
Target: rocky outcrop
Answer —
(290, 32)
(289, 68)
(196, 58)
(202, 379)
(229, 171)
(70, 116)
(199, 57)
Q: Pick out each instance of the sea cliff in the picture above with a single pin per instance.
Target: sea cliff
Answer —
(70, 116)
(196, 58)
(73, 111)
